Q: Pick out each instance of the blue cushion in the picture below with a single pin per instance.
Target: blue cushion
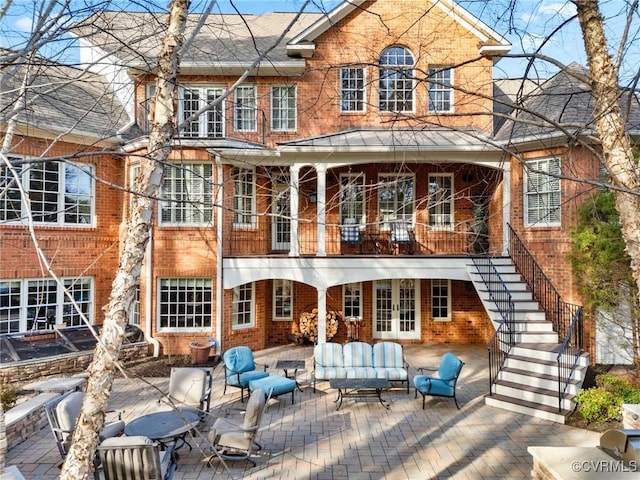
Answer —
(449, 366)
(275, 384)
(433, 386)
(245, 378)
(238, 360)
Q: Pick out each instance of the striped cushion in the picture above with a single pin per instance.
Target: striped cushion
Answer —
(328, 355)
(358, 354)
(388, 355)
(361, 372)
(327, 373)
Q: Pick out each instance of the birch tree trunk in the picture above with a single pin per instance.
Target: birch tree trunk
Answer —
(79, 461)
(616, 147)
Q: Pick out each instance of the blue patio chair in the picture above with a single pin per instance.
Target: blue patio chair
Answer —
(240, 369)
(442, 385)
(350, 233)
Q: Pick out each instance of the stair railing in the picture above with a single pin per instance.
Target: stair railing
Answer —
(565, 317)
(504, 339)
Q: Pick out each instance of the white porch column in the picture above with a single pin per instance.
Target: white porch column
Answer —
(321, 174)
(322, 315)
(294, 199)
(506, 207)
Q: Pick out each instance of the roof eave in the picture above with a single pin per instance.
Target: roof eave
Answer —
(291, 68)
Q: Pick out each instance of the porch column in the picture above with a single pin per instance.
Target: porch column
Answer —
(321, 205)
(322, 315)
(294, 192)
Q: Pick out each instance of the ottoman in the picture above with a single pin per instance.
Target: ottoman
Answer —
(275, 384)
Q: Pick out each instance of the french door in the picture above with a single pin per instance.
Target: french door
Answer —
(281, 223)
(396, 312)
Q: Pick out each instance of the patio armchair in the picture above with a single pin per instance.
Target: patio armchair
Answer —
(240, 368)
(134, 458)
(237, 440)
(444, 383)
(62, 414)
(190, 387)
(350, 233)
(401, 234)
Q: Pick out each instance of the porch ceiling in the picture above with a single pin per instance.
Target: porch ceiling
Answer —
(325, 272)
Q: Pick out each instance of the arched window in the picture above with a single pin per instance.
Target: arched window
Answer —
(396, 80)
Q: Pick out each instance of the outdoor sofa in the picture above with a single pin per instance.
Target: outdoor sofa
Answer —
(360, 360)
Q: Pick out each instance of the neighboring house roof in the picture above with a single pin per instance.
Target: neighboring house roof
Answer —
(559, 106)
(60, 101)
(228, 43)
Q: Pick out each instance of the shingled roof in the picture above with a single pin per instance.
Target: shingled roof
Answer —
(61, 100)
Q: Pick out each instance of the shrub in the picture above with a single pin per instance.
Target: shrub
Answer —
(603, 403)
(8, 397)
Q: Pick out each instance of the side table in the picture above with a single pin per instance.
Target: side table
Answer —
(294, 365)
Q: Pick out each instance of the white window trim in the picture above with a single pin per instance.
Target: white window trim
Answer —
(526, 195)
(452, 92)
(60, 195)
(160, 328)
(362, 220)
(448, 317)
(450, 225)
(272, 110)
(384, 222)
(255, 108)
(344, 287)
(251, 324)
(364, 89)
(60, 301)
(170, 204)
(202, 118)
(288, 318)
(413, 82)
(253, 215)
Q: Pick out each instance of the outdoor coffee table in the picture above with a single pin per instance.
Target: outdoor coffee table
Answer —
(294, 365)
(359, 387)
(165, 426)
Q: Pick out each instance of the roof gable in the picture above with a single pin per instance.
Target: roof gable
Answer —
(491, 43)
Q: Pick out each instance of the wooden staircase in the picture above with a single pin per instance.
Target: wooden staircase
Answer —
(528, 380)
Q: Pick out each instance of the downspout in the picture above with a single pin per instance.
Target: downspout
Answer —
(219, 254)
(148, 296)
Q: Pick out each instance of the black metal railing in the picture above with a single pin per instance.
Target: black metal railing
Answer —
(504, 339)
(565, 317)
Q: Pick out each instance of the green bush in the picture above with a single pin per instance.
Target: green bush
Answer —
(603, 403)
(8, 397)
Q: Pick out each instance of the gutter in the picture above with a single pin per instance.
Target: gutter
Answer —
(219, 245)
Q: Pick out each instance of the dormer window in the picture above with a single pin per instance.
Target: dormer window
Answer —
(396, 85)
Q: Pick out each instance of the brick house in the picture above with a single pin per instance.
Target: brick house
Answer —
(357, 169)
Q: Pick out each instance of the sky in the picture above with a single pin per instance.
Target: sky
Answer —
(526, 26)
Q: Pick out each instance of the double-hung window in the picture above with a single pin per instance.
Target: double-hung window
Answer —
(41, 303)
(542, 196)
(396, 82)
(395, 198)
(59, 193)
(245, 109)
(187, 194)
(352, 301)
(351, 199)
(440, 90)
(209, 124)
(185, 303)
(441, 300)
(242, 315)
(244, 198)
(441, 201)
(283, 108)
(282, 299)
(352, 83)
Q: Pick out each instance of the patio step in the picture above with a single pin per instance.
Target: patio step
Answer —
(527, 408)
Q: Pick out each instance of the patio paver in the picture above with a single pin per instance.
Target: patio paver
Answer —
(362, 440)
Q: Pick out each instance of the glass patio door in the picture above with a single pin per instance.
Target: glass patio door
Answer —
(281, 219)
(396, 309)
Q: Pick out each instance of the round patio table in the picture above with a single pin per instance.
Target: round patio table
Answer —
(165, 426)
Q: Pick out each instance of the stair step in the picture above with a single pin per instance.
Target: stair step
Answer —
(539, 395)
(527, 408)
(538, 380)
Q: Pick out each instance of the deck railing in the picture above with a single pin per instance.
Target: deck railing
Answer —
(566, 317)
